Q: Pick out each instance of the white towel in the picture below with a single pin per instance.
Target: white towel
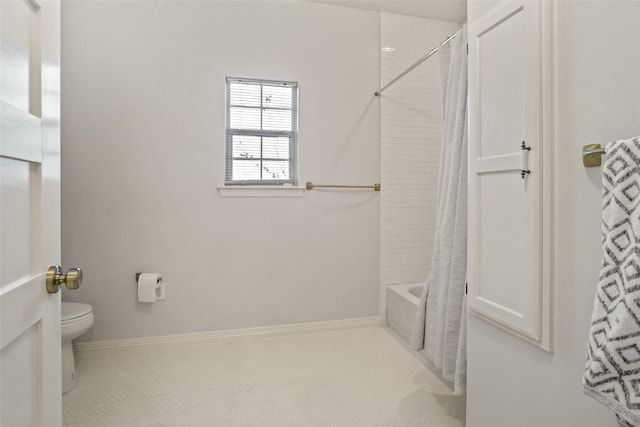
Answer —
(612, 373)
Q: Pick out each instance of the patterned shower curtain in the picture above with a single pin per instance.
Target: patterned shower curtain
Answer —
(440, 327)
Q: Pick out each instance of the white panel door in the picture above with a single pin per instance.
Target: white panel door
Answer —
(30, 364)
(505, 169)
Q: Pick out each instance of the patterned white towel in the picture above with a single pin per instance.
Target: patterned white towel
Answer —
(612, 373)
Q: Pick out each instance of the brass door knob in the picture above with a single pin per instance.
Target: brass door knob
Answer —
(55, 278)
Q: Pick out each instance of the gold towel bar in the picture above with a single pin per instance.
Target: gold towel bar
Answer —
(311, 186)
(592, 155)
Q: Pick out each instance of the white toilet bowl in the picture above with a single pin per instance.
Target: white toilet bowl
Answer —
(77, 318)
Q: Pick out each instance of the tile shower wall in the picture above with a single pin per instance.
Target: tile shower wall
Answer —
(411, 114)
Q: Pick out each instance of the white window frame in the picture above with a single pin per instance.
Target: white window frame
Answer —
(292, 135)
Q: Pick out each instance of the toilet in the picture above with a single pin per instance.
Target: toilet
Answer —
(77, 318)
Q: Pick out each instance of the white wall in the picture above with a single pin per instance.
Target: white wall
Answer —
(411, 117)
(597, 99)
(143, 151)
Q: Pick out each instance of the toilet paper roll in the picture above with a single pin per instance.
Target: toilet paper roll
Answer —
(147, 284)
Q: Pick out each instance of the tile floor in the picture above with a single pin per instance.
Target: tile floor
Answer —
(354, 377)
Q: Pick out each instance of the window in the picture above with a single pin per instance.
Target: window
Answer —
(262, 130)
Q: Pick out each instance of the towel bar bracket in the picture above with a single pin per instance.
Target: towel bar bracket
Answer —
(592, 155)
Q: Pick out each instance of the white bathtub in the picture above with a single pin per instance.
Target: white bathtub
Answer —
(402, 305)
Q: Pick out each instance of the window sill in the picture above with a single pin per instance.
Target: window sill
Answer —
(260, 191)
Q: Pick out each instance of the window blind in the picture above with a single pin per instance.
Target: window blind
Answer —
(262, 127)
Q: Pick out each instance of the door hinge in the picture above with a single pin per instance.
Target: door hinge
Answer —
(466, 288)
(467, 48)
(524, 169)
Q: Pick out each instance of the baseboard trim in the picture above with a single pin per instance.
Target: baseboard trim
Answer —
(234, 334)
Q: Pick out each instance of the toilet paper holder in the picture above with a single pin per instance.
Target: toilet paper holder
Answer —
(138, 277)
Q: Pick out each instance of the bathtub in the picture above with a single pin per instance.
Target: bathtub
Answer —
(402, 305)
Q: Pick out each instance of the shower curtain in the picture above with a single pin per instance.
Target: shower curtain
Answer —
(440, 327)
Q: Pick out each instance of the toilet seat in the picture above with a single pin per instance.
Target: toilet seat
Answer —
(74, 310)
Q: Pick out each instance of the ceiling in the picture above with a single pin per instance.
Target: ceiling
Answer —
(446, 10)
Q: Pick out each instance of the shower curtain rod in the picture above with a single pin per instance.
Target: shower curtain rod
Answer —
(418, 62)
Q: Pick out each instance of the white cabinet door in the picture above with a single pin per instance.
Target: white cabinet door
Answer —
(30, 364)
(506, 144)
